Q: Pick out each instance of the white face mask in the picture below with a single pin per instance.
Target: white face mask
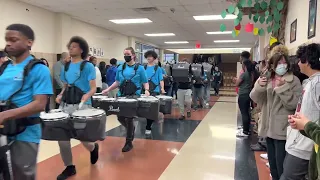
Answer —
(281, 69)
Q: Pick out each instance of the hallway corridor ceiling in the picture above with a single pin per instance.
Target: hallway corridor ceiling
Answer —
(167, 16)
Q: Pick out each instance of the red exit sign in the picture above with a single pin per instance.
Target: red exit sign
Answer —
(198, 45)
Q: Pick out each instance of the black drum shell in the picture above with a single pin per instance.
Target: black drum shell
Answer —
(120, 108)
(165, 105)
(149, 109)
(57, 130)
(89, 129)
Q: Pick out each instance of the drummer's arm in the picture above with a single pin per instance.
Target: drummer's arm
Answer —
(113, 86)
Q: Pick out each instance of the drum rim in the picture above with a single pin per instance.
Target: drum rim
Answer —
(66, 117)
(78, 116)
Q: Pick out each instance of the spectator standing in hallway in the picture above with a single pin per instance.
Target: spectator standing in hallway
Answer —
(103, 71)
(244, 82)
(277, 96)
(111, 77)
(30, 99)
(217, 75)
(298, 147)
(94, 61)
(58, 84)
(184, 95)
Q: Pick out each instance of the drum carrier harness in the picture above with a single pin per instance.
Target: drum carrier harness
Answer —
(127, 87)
(72, 93)
(152, 85)
(17, 126)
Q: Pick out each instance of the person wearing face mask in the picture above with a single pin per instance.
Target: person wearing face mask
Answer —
(130, 77)
(278, 97)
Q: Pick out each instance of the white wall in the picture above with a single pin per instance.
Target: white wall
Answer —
(53, 30)
(299, 9)
(40, 20)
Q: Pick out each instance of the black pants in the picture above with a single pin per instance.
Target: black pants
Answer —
(294, 168)
(216, 87)
(128, 124)
(57, 92)
(244, 106)
(276, 155)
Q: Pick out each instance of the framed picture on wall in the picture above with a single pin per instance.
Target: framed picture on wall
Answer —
(312, 19)
(90, 50)
(94, 52)
(99, 52)
(293, 31)
(102, 52)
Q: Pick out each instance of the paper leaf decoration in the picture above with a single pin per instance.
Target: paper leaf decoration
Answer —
(231, 9)
(262, 19)
(257, 6)
(280, 5)
(224, 14)
(238, 27)
(272, 40)
(249, 27)
(249, 3)
(223, 27)
(234, 34)
(261, 32)
(256, 18)
(237, 32)
(269, 29)
(236, 22)
(255, 31)
(236, 11)
(264, 5)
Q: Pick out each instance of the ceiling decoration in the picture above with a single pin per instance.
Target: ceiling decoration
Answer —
(266, 12)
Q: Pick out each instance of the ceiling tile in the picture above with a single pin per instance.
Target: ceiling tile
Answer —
(169, 9)
(199, 8)
(193, 2)
(165, 2)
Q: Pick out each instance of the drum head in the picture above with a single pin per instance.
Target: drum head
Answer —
(54, 115)
(98, 97)
(108, 99)
(88, 112)
(164, 97)
(126, 100)
(148, 99)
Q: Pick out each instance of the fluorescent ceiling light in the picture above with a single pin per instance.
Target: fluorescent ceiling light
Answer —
(176, 42)
(233, 50)
(214, 17)
(131, 21)
(160, 34)
(219, 32)
(226, 41)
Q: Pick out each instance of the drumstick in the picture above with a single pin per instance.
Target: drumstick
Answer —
(80, 105)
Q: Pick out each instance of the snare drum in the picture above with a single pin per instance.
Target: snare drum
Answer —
(121, 107)
(165, 104)
(89, 124)
(96, 100)
(56, 126)
(149, 107)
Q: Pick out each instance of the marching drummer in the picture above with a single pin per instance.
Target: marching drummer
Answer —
(78, 77)
(129, 78)
(31, 99)
(155, 80)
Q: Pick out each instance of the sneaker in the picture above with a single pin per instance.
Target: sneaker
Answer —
(268, 165)
(241, 134)
(264, 156)
(257, 147)
(148, 132)
(240, 127)
(127, 147)
(68, 172)
(182, 117)
(94, 155)
(189, 114)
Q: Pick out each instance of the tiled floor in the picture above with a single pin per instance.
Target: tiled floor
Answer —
(203, 147)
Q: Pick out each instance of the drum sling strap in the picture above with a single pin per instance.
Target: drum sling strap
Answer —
(72, 93)
(152, 85)
(199, 81)
(128, 88)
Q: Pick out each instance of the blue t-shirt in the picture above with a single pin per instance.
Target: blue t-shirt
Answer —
(79, 79)
(38, 82)
(163, 71)
(138, 79)
(111, 75)
(156, 76)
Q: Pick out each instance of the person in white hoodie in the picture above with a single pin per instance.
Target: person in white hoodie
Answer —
(94, 61)
(299, 147)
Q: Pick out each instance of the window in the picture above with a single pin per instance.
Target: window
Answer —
(169, 58)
